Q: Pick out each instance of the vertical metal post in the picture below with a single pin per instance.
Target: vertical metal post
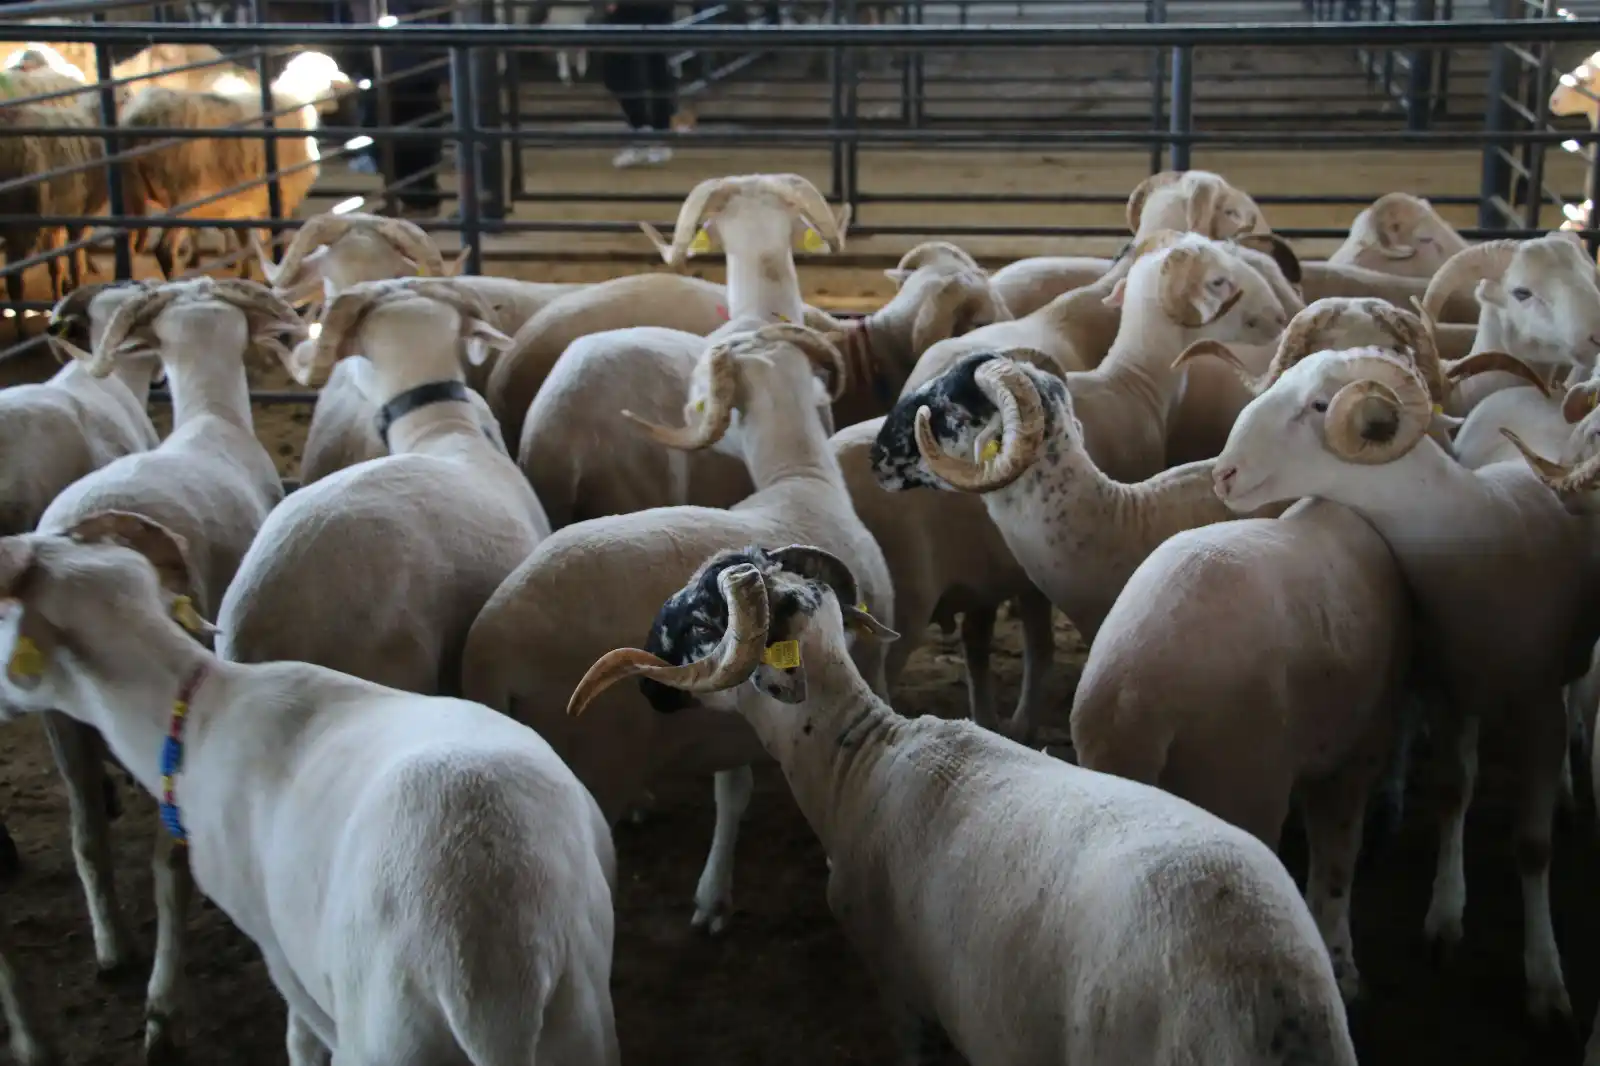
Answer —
(270, 144)
(1182, 103)
(1592, 150)
(463, 102)
(835, 110)
(513, 117)
(116, 198)
(916, 62)
(1419, 81)
(852, 85)
(385, 109)
(1537, 101)
(486, 91)
(1494, 182)
(1155, 12)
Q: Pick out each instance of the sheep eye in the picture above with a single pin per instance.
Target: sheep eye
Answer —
(1217, 283)
(1520, 294)
(1320, 406)
(1424, 240)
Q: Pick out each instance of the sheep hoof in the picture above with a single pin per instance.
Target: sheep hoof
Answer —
(712, 920)
(161, 1047)
(1550, 1010)
(119, 964)
(1444, 943)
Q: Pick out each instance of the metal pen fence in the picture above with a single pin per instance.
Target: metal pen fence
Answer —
(1166, 84)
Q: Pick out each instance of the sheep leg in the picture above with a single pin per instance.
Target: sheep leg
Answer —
(1542, 743)
(79, 758)
(163, 1013)
(977, 635)
(1038, 655)
(1458, 768)
(304, 1046)
(1333, 809)
(53, 241)
(164, 247)
(28, 1047)
(713, 896)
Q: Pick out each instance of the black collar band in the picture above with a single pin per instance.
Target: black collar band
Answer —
(415, 399)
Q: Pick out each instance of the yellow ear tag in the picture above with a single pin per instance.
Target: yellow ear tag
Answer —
(185, 615)
(699, 407)
(862, 607)
(27, 661)
(812, 241)
(701, 243)
(1594, 399)
(785, 655)
(991, 450)
(422, 270)
(1438, 408)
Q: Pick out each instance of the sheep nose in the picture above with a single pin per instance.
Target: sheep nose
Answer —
(1222, 479)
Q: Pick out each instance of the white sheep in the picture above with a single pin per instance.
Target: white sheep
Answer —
(424, 878)
(212, 483)
(1539, 300)
(1026, 910)
(445, 507)
(755, 395)
(79, 191)
(1399, 234)
(755, 218)
(1352, 427)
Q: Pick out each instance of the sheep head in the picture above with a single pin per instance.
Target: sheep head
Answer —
(931, 254)
(470, 320)
(741, 616)
(950, 305)
(1541, 293)
(716, 390)
(1574, 476)
(313, 78)
(1399, 234)
(1575, 94)
(81, 590)
(992, 406)
(387, 247)
(1194, 200)
(91, 305)
(718, 202)
(1193, 282)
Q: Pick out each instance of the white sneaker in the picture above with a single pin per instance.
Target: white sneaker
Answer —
(632, 155)
(657, 154)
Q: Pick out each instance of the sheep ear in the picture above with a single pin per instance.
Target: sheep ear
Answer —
(861, 623)
(167, 551)
(896, 275)
(482, 338)
(458, 266)
(1117, 292)
(1490, 291)
(29, 645)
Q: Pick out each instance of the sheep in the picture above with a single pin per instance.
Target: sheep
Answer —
(1351, 427)
(332, 252)
(745, 214)
(1024, 909)
(1074, 331)
(153, 67)
(754, 394)
(1196, 201)
(37, 71)
(946, 556)
(58, 431)
(1574, 94)
(1539, 299)
(645, 369)
(173, 177)
(350, 830)
(213, 483)
(444, 506)
(1399, 234)
(80, 190)
(80, 57)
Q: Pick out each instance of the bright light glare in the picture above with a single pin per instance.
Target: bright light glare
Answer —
(387, 22)
(355, 144)
(1569, 81)
(1576, 212)
(364, 84)
(11, 313)
(314, 330)
(344, 207)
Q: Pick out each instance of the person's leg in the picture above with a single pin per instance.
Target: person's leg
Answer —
(659, 88)
(415, 160)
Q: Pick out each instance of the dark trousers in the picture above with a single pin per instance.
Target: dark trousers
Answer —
(410, 99)
(641, 81)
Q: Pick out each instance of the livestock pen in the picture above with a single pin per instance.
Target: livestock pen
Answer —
(1011, 127)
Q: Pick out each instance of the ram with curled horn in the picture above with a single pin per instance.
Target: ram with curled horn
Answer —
(320, 236)
(711, 197)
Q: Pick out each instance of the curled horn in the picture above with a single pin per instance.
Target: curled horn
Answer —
(342, 315)
(1443, 375)
(717, 414)
(1395, 208)
(1562, 480)
(1218, 350)
(819, 565)
(734, 659)
(75, 305)
(930, 253)
(1142, 191)
(816, 347)
(695, 207)
(1022, 420)
(411, 241)
(1360, 404)
(318, 231)
(139, 310)
(266, 311)
(804, 198)
(1282, 252)
(1175, 287)
(1467, 267)
(1204, 192)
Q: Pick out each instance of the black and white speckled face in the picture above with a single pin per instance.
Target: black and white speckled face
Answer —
(693, 620)
(958, 411)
